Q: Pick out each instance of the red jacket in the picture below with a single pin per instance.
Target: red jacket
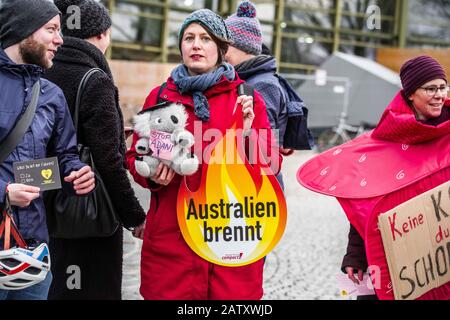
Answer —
(221, 98)
(376, 172)
(169, 269)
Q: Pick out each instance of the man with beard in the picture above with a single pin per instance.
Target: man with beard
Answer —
(29, 39)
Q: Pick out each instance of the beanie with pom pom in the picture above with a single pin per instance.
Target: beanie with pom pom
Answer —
(94, 18)
(245, 30)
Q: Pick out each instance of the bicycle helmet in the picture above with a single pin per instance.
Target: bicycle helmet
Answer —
(23, 267)
(20, 266)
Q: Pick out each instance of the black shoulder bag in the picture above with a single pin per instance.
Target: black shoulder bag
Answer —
(77, 217)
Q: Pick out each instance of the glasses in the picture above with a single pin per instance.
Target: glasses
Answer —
(432, 90)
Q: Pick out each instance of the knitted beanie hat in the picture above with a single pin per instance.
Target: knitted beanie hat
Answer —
(21, 18)
(245, 29)
(94, 18)
(207, 19)
(418, 71)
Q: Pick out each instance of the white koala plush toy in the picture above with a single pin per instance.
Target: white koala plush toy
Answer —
(170, 119)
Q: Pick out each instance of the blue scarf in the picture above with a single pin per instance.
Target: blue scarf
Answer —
(196, 85)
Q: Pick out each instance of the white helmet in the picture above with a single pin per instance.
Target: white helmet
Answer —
(23, 267)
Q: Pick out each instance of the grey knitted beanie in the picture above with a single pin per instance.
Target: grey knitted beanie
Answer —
(207, 19)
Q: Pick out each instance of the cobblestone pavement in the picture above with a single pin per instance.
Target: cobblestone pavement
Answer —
(305, 263)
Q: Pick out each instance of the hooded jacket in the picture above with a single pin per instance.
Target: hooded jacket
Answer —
(376, 172)
(260, 72)
(51, 133)
(396, 125)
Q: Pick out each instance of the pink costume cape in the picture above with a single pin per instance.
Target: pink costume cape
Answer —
(377, 171)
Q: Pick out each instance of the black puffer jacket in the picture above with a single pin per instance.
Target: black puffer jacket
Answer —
(101, 120)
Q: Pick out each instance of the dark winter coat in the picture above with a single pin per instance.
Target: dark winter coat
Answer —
(101, 129)
(51, 133)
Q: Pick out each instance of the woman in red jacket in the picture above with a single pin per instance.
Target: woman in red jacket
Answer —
(207, 87)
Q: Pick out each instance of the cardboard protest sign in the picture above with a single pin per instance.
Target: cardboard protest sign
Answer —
(238, 214)
(416, 239)
(161, 145)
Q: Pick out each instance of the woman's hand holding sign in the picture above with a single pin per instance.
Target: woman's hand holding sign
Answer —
(163, 175)
(247, 110)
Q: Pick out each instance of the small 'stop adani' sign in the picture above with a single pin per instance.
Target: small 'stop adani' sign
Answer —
(416, 239)
(161, 145)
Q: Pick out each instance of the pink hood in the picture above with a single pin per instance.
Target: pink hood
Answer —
(374, 173)
(398, 124)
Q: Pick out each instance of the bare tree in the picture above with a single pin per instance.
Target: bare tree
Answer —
(430, 18)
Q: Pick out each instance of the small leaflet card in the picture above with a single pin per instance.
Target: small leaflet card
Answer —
(42, 173)
(161, 145)
(348, 288)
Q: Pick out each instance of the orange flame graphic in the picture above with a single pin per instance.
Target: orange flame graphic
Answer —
(238, 214)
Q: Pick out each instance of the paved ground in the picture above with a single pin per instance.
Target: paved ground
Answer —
(304, 264)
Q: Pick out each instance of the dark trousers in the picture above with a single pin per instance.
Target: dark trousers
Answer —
(87, 269)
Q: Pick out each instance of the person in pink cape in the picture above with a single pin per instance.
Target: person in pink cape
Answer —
(407, 154)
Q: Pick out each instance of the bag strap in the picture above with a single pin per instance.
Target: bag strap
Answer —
(80, 91)
(7, 226)
(16, 135)
(161, 88)
(292, 96)
(160, 102)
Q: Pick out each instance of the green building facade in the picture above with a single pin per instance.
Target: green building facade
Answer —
(300, 33)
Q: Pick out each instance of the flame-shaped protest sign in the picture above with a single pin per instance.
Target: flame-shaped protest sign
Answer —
(238, 214)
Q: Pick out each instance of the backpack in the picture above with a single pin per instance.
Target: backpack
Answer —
(297, 135)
